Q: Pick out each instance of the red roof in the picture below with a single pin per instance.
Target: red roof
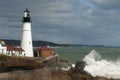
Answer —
(44, 49)
(12, 48)
(19, 49)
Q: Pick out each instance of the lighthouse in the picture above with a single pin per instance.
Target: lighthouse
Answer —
(26, 41)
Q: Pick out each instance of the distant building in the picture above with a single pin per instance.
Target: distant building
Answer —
(44, 52)
(10, 50)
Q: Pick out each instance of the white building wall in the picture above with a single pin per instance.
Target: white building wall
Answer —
(26, 42)
(3, 49)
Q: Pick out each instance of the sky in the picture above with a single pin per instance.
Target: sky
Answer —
(92, 22)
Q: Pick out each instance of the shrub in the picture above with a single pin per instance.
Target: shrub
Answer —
(38, 74)
(9, 63)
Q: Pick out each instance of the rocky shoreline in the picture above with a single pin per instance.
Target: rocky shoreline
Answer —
(19, 68)
(46, 73)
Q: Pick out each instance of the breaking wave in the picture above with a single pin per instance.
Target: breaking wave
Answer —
(97, 66)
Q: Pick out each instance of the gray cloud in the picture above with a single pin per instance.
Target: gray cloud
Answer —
(106, 4)
(64, 21)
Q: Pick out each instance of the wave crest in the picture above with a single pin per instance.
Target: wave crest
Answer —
(97, 66)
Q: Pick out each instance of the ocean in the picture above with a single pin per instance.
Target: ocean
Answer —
(73, 54)
(100, 61)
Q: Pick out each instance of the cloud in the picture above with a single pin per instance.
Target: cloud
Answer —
(64, 21)
(106, 4)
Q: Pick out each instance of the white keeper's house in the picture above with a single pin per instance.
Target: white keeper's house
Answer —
(10, 50)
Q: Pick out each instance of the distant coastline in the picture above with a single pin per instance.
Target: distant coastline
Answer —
(37, 43)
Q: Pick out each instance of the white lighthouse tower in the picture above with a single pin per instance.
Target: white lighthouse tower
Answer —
(26, 42)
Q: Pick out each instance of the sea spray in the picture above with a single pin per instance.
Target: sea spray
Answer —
(97, 66)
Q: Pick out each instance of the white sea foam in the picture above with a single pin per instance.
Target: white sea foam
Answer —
(97, 66)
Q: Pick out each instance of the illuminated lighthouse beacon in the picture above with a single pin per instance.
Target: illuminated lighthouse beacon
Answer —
(26, 42)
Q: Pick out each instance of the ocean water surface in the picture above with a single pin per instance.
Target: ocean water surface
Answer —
(100, 61)
(74, 54)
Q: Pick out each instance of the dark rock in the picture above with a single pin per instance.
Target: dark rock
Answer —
(80, 65)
